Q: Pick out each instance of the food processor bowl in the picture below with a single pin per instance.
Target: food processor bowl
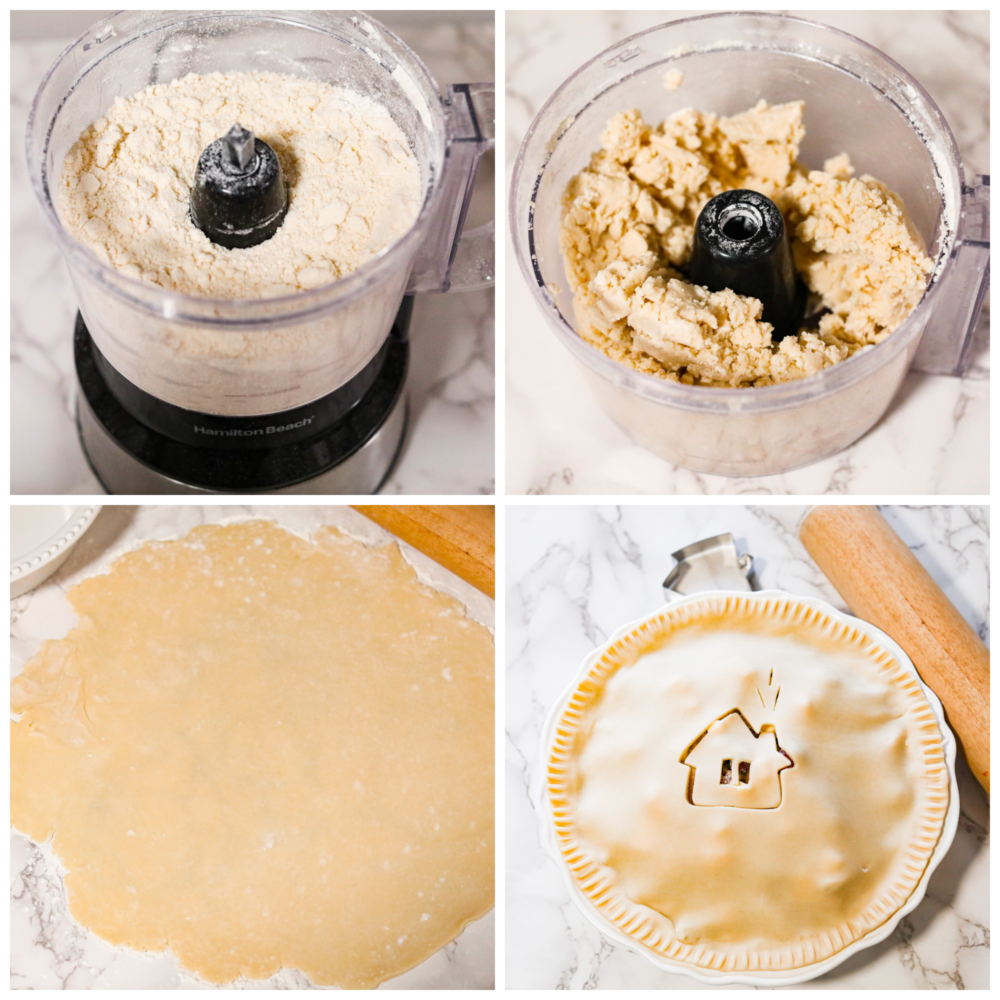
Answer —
(241, 358)
(857, 101)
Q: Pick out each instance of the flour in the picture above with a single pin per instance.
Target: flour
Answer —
(353, 183)
(628, 230)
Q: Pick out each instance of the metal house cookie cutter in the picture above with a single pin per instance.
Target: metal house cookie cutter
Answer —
(711, 564)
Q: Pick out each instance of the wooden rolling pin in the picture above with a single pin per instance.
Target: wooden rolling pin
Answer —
(883, 583)
(460, 538)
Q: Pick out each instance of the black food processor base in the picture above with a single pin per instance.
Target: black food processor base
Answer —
(344, 443)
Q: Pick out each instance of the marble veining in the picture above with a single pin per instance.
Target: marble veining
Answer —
(48, 948)
(449, 446)
(574, 575)
(934, 438)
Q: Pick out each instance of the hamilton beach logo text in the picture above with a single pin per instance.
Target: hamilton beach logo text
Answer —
(254, 432)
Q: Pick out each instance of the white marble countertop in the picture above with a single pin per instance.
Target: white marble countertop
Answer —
(450, 443)
(574, 575)
(50, 950)
(934, 439)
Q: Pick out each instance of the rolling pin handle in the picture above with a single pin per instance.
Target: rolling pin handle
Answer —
(884, 583)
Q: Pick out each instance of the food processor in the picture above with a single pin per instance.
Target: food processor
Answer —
(857, 101)
(298, 394)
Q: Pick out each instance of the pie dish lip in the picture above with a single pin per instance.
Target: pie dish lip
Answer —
(790, 977)
(36, 566)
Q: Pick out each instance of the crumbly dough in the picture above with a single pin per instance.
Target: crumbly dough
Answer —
(353, 183)
(673, 79)
(263, 752)
(628, 232)
(822, 837)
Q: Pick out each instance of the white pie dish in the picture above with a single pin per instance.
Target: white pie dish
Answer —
(769, 977)
(41, 539)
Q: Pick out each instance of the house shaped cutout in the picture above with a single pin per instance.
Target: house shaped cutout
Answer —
(731, 765)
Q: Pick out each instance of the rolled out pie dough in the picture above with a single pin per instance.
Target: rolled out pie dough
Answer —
(263, 752)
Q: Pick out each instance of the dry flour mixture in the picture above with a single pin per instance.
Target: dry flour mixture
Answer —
(628, 231)
(353, 183)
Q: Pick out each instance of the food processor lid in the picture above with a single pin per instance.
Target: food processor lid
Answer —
(554, 122)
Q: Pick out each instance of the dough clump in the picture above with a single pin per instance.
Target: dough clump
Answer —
(628, 232)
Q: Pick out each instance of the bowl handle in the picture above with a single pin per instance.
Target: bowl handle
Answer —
(450, 258)
(946, 344)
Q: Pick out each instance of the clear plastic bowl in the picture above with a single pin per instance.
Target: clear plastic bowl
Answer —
(248, 357)
(857, 101)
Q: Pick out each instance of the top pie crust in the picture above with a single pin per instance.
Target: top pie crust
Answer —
(745, 783)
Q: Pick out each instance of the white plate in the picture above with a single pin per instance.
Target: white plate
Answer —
(769, 977)
(41, 538)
